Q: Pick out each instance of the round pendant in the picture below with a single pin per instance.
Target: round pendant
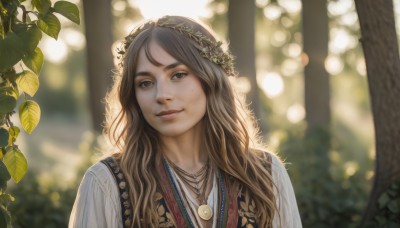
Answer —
(205, 212)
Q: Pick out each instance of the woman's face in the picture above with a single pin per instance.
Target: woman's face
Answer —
(169, 95)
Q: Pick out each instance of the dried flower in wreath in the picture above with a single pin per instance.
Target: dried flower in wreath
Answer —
(208, 48)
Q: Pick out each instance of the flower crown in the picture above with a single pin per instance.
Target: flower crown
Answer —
(208, 48)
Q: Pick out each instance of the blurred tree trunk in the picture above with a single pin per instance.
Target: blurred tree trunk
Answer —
(241, 32)
(316, 78)
(98, 23)
(381, 51)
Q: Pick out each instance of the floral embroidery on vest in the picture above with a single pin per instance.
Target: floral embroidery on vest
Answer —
(164, 216)
(246, 211)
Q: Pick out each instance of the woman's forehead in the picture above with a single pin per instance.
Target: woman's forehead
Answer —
(152, 55)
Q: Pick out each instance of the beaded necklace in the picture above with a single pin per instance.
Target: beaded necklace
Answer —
(197, 182)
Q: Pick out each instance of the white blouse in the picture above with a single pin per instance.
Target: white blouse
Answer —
(97, 203)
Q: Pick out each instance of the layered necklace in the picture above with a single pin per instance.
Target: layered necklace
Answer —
(197, 182)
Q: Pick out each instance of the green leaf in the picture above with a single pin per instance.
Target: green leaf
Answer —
(14, 131)
(5, 199)
(50, 25)
(11, 51)
(3, 138)
(394, 207)
(29, 114)
(4, 176)
(68, 10)
(28, 82)
(7, 101)
(383, 200)
(16, 164)
(5, 217)
(2, 33)
(13, 134)
(42, 6)
(34, 60)
(30, 37)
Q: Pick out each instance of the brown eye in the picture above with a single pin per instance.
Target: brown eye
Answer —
(179, 75)
(145, 84)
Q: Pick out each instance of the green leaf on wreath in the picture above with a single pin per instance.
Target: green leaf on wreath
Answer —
(50, 25)
(28, 82)
(5, 217)
(42, 6)
(68, 10)
(7, 101)
(29, 115)
(16, 163)
(3, 138)
(11, 51)
(34, 60)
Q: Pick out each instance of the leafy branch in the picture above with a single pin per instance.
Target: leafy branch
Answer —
(19, 39)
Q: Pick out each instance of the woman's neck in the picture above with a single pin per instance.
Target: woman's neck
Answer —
(185, 152)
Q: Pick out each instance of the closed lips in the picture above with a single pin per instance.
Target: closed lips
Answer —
(163, 113)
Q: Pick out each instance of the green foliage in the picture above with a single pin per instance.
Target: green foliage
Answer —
(28, 82)
(11, 49)
(50, 25)
(40, 205)
(388, 208)
(327, 194)
(29, 114)
(16, 163)
(4, 177)
(19, 38)
(7, 101)
(5, 217)
(34, 60)
(68, 10)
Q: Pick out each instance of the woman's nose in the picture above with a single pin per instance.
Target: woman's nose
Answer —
(164, 92)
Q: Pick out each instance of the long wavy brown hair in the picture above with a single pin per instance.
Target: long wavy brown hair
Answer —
(227, 140)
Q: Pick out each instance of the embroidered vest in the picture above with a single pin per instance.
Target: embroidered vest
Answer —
(236, 209)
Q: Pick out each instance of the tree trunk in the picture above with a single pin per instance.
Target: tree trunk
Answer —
(381, 51)
(241, 32)
(316, 78)
(98, 23)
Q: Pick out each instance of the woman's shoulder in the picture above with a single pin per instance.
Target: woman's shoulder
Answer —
(272, 161)
(99, 175)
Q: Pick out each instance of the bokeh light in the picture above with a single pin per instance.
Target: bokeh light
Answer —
(339, 7)
(262, 3)
(361, 68)
(272, 12)
(290, 66)
(73, 38)
(189, 8)
(291, 6)
(241, 84)
(279, 38)
(334, 64)
(54, 51)
(341, 40)
(295, 113)
(271, 83)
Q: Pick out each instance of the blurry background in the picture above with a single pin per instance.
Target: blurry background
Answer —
(331, 167)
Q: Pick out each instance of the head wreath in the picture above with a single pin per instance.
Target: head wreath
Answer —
(208, 48)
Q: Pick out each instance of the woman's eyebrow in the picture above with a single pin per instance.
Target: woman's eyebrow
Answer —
(166, 68)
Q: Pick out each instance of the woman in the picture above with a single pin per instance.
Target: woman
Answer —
(184, 157)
